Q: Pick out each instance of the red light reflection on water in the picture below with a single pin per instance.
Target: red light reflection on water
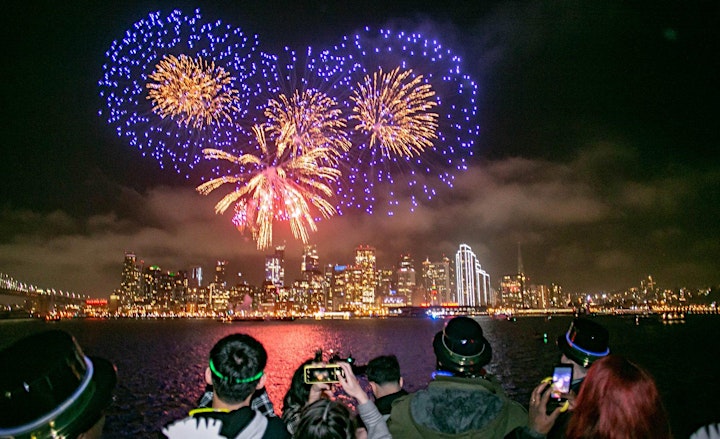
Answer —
(289, 344)
(287, 348)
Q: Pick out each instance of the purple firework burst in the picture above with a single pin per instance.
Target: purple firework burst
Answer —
(176, 84)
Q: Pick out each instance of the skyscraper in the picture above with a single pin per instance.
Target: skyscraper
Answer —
(511, 290)
(220, 275)
(365, 263)
(311, 288)
(437, 281)
(196, 276)
(513, 286)
(309, 263)
(275, 267)
(406, 278)
(473, 283)
(130, 282)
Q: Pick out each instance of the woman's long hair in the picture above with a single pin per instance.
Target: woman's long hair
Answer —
(296, 397)
(618, 400)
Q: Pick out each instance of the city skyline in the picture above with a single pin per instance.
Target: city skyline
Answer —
(405, 269)
(597, 150)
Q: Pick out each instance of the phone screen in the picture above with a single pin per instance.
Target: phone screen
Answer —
(328, 373)
(561, 379)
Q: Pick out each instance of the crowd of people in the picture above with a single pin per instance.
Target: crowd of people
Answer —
(50, 389)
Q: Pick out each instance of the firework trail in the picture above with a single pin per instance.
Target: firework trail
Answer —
(175, 84)
(276, 185)
(427, 130)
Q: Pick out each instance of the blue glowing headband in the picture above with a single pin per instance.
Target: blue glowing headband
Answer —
(584, 351)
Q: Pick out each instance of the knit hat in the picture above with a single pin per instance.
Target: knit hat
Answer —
(460, 347)
(49, 388)
(584, 342)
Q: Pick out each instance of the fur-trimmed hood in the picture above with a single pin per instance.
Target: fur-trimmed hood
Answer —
(453, 407)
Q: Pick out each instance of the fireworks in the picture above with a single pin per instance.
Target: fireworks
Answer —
(394, 112)
(276, 186)
(176, 84)
(192, 91)
(382, 178)
(307, 120)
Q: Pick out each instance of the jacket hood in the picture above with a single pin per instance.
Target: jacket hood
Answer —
(454, 407)
(455, 410)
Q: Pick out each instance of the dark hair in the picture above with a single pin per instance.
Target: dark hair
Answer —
(618, 399)
(325, 419)
(383, 369)
(236, 363)
(296, 397)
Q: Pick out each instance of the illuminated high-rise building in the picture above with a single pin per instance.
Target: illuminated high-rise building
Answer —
(309, 263)
(130, 282)
(648, 288)
(336, 278)
(557, 298)
(385, 290)
(366, 265)
(312, 287)
(436, 277)
(406, 278)
(221, 273)
(512, 289)
(473, 283)
(152, 283)
(196, 276)
(275, 267)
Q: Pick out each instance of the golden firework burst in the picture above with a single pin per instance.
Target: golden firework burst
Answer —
(307, 120)
(393, 108)
(192, 91)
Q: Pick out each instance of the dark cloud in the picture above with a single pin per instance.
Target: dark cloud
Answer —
(572, 231)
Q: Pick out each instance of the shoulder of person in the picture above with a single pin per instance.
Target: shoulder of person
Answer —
(488, 382)
(193, 427)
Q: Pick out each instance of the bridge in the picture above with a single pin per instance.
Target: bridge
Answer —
(43, 298)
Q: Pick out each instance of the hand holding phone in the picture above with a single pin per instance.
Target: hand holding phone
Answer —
(561, 380)
(559, 387)
(322, 373)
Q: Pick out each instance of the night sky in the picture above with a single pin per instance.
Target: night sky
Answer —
(598, 151)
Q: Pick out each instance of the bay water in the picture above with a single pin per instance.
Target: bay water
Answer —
(161, 362)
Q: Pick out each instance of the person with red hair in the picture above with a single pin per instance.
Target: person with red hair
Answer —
(618, 400)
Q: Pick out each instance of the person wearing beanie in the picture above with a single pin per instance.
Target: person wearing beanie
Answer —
(462, 400)
(585, 342)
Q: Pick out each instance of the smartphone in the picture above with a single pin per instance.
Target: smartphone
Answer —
(326, 373)
(561, 380)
